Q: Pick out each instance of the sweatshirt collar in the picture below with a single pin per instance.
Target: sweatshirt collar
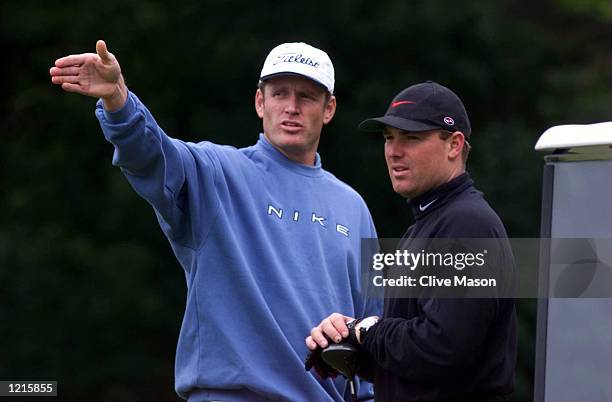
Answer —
(307, 170)
(438, 196)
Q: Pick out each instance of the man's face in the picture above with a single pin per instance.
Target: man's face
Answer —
(418, 161)
(294, 110)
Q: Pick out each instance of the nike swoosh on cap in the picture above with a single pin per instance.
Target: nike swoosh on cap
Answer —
(396, 104)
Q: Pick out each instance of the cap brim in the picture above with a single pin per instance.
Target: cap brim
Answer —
(377, 124)
(284, 73)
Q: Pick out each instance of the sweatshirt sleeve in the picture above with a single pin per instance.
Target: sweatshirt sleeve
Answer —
(166, 172)
(444, 340)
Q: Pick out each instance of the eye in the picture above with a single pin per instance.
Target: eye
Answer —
(278, 92)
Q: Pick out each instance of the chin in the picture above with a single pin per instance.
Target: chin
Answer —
(404, 192)
(399, 191)
(292, 137)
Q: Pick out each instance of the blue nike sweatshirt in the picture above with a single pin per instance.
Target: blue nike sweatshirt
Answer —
(269, 248)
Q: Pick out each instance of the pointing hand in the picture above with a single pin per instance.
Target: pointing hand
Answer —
(92, 74)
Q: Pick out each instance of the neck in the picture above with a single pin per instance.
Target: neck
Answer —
(304, 159)
(301, 156)
(456, 171)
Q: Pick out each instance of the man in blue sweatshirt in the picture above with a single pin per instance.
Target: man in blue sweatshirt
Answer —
(268, 240)
(427, 346)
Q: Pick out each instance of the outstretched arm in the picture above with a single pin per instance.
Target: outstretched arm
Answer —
(92, 74)
(157, 166)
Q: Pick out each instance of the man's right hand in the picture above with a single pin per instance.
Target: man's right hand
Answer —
(92, 74)
(333, 327)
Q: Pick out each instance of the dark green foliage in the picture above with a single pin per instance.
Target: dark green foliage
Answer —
(90, 292)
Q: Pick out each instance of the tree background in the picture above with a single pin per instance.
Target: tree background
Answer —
(90, 292)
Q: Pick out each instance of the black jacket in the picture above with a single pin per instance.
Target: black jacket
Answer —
(436, 349)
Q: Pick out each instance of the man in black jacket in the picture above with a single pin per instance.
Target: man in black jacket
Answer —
(427, 348)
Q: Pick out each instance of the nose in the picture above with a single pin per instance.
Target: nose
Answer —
(392, 149)
(292, 107)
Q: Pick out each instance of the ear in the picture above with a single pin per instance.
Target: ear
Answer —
(456, 142)
(259, 103)
(330, 110)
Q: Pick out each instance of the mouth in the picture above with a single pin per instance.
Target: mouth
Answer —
(399, 169)
(291, 126)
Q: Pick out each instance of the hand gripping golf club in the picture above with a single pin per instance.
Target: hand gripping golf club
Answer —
(343, 357)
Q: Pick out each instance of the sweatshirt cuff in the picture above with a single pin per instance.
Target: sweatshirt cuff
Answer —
(121, 115)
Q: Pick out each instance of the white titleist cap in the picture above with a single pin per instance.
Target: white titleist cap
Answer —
(301, 59)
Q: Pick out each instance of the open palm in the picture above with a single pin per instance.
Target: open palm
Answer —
(93, 74)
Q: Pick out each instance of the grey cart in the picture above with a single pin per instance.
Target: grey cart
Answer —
(574, 329)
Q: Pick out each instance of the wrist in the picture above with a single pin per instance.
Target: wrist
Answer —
(363, 326)
(353, 334)
(117, 99)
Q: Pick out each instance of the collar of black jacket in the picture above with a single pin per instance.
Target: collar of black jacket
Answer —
(439, 196)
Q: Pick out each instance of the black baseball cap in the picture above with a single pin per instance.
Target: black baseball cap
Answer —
(423, 107)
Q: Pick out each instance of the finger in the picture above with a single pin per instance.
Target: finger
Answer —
(331, 331)
(72, 60)
(317, 336)
(68, 87)
(338, 321)
(56, 72)
(103, 51)
(69, 79)
(310, 344)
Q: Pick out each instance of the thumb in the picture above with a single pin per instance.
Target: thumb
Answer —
(102, 51)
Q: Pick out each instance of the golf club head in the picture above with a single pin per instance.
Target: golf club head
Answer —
(342, 357)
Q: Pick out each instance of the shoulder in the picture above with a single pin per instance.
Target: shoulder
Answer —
(349, 202)
(207, 146)
(470, 215)
(333, 180)
(342, 189)
(208, 155)
(215, 151)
